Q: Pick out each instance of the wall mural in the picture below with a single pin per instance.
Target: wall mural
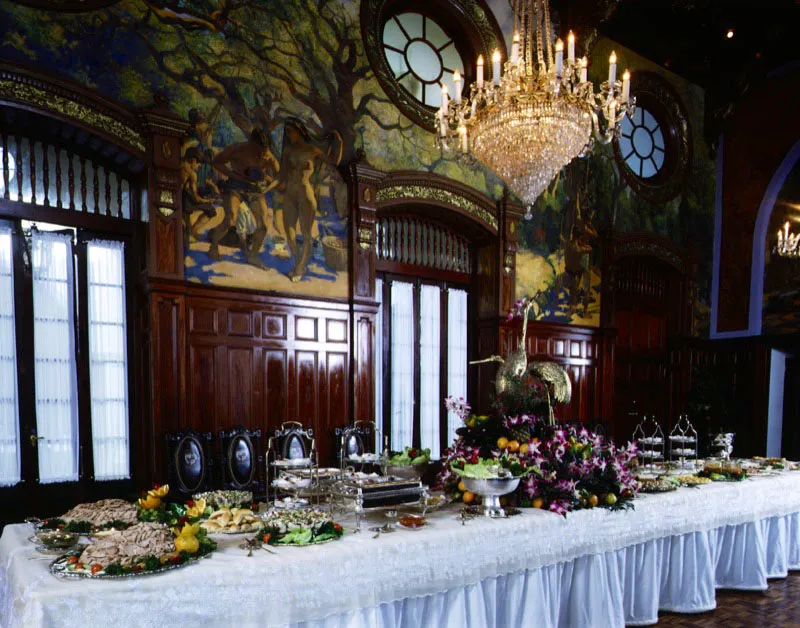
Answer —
(278, 95)
(559, 246)
(781, 303)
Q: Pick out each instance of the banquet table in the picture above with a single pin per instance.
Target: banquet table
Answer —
(594, 568)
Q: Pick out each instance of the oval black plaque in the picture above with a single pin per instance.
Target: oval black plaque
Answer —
(294, 447)
(354, 445)
(240, 460)
(190, 464)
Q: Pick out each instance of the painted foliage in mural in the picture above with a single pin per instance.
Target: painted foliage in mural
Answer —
(781, 302)
(278, 95)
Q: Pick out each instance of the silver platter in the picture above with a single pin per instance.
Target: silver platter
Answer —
(60, 571)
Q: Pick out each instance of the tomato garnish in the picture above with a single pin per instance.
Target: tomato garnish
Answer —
(190, 503)
(96, 568)
(265, 538)
(72, 560)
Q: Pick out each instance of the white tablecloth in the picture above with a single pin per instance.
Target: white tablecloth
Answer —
(594, 568)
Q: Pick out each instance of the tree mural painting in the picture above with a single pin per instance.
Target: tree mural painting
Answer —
(233, 67)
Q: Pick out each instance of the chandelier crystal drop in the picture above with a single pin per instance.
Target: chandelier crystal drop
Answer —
(538, 113)
(788, 243)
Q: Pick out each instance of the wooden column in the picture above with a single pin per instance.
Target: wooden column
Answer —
(363, 180)
(167, 308)
(165, 131)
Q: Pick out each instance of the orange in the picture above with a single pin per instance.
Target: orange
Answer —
(468, 497)
(502, 442)
(538, 502)
(523, 449)
(461, 486)
(593, 500)
(513, 446)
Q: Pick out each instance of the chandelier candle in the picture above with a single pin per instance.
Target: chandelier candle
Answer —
(538, 112)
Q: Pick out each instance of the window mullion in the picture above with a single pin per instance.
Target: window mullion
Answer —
(417, 438)
(83, 358)
(443, 350)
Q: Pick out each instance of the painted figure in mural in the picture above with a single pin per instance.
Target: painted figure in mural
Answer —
(578, 243)
(194, 200)
(250, 168)
(302, 154)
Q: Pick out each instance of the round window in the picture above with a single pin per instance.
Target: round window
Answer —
(422, 56)
(641, 143)
(653, 147)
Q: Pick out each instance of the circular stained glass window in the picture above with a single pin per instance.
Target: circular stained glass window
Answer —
(422, 56)
(641, 143)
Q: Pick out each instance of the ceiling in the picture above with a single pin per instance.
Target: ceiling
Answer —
(689, 37)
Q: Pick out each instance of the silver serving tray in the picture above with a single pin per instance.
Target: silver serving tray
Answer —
(60, 571)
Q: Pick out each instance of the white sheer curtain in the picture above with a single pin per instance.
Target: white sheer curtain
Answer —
(456, 353)
(378, 359)
(108, 359)
(430, 306)
(402, 364)
(54, 356)
(9, 413)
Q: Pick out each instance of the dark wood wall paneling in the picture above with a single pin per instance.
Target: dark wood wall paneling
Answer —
(250, 360)
(586, 354)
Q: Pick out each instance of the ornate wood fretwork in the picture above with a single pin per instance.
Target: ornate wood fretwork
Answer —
(70, 102)
(400, 188)
(470, 23)
(655, 94)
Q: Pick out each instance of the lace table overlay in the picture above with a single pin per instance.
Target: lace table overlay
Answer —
(311, 583)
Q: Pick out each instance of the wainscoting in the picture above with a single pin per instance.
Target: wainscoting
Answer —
(223, 358)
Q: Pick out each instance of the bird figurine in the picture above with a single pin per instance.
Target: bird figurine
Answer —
(556, 382)
(514, 367)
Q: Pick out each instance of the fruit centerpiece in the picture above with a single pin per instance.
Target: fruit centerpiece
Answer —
(562, 468)
(556, 467)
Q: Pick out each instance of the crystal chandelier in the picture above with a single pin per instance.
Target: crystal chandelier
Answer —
(539, 113)
(788, 242)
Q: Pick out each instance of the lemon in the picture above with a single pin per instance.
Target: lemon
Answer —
(502, 442)
(150, 503)
(523, 449)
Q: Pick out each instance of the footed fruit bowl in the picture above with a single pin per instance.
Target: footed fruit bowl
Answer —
(490, 490)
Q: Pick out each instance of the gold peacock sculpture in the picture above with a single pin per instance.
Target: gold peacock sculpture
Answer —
(515, 367)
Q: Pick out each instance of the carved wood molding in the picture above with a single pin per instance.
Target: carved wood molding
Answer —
(652, 245)
(408, 187)
(56, 97)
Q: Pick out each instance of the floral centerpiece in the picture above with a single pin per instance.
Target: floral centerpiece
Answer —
(563, 468)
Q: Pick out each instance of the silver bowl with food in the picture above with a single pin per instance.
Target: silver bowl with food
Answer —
(490, 490)
(405, 472)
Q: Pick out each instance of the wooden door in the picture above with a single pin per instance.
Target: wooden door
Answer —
(648, 302)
